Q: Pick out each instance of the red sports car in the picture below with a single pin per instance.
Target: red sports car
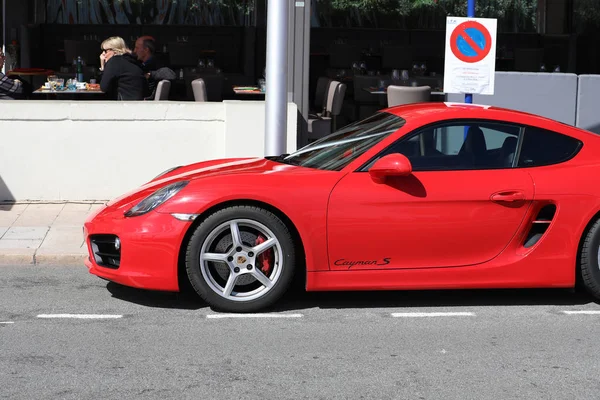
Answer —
(424, 196)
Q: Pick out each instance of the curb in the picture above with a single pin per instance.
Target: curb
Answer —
(17, 259)
(66, 259)
(29, 258)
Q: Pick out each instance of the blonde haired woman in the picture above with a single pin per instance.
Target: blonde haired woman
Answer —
(122, 75)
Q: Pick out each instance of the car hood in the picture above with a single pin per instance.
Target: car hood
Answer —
(205, 169)
(223, 166)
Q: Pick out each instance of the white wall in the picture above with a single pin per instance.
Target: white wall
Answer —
(76, 150)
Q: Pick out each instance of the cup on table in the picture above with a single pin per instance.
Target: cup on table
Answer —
(60, 84)
(52, 81)
(263, 85)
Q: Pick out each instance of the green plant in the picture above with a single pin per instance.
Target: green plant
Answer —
(512, 15)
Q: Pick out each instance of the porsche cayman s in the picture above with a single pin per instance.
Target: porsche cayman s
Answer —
(415, 197)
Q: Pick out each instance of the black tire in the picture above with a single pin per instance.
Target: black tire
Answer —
(590, 270)
(202, 233)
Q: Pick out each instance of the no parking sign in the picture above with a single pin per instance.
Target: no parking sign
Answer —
(470, 61)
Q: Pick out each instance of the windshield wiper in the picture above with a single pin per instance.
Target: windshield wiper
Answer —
(277, 158)
(281, 159)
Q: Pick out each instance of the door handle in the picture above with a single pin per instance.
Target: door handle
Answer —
(509, 196)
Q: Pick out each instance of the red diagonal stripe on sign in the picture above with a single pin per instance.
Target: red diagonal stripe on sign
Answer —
(470, 42)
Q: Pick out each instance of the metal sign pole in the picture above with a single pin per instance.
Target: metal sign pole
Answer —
(276, 77)
(470, 14)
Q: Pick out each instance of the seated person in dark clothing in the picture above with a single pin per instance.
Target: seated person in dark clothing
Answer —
(122, 75)
(156, 76)
(145, 51)
(9, 88)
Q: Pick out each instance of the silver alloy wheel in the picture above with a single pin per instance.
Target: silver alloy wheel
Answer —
(240, 260)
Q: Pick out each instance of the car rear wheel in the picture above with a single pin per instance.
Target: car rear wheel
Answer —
(241, 259)
(590, 261)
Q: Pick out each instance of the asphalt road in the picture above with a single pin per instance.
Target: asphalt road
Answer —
(65, 334)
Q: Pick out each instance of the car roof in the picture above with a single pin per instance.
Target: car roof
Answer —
(427, 112)
(416, 110)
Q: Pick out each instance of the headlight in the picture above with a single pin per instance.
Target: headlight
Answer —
(156, 199)
(166, 172)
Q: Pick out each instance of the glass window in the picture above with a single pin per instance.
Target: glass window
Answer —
(339, 149)
(147, 12)
(460, 146)
(512, 16)
(543, 147)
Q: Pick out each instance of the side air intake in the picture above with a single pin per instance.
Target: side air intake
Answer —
(540, 225)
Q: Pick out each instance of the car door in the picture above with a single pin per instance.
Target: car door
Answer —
(461, 206)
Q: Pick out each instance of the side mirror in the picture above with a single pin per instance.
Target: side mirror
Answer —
(390, 165)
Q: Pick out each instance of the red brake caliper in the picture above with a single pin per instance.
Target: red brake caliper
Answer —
(264, 260)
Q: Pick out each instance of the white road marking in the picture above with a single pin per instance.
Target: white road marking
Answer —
(80, 316)
(220, 316)
(582, 312)
(7, 322)
(432, 314)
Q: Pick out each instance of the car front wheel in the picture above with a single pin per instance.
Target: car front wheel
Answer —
(241, 259)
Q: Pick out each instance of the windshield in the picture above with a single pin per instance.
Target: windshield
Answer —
(339, 149)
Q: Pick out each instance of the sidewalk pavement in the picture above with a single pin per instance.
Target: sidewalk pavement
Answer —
(44, 233)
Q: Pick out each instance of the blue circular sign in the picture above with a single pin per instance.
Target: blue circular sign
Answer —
(466, 47)
(470, 42)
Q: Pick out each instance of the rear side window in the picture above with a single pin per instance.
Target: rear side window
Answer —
(543, 147)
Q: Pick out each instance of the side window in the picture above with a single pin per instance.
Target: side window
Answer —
(543, 147)
(460, 146)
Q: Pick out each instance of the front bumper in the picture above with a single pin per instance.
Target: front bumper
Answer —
(149, 248)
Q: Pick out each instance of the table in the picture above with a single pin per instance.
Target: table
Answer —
(250, 91)
(30, 72)
(79, 93)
